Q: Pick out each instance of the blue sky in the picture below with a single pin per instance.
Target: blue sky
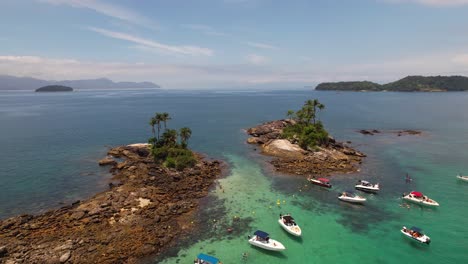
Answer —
(221, 44)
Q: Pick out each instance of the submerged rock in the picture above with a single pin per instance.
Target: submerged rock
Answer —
(107, 161)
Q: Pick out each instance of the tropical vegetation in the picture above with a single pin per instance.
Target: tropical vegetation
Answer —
(170, 147)
(407, 84)
(306, 130)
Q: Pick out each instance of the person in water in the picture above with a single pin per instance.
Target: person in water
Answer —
(408, 178)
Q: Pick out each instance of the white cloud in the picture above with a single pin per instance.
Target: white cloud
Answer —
(207, 30)
(432, 2)
(261, 45)
(107, 9)
(257, 59)
(150, 44)
(461, 59)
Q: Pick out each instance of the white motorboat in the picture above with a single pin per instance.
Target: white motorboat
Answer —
(463, 178)
(289, 224)
(419, 198)
(351, 197)
(262, 240)
(206, 259)
(416, 234)
(323, 182)
(367, 186)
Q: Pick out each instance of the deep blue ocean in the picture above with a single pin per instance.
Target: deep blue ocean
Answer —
(51, 142)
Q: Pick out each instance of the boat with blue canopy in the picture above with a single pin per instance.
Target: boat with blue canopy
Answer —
(262, 239)
(206, 259)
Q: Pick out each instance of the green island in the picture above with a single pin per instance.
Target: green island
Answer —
(166, 149)
(300, 144)
(55, 88)
(407, 84)
(306, 131)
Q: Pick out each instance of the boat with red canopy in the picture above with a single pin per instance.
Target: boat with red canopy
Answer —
(419, 198)
(323, 182)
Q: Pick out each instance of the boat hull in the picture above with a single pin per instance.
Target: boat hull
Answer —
(423, 240)
(294, 230)
(355, 200)
(321, 184)
(463, 178)
(367, 189)
(420, 201)
(272, 244)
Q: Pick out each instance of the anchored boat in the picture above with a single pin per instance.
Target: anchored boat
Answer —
(463, 178)
(416, 234)
(367, 186)
(351, 197)
(323, 182)
(262, 240)
(206, 259)
(419, 198)
(289, 224)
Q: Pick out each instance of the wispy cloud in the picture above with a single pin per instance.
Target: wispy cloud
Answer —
(432, 2)
(257, 59)
(107, 9)
(150, 44)
(261, 45)
(207, 30)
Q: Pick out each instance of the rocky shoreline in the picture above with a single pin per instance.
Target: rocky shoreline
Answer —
(289, 158)
(145, 211)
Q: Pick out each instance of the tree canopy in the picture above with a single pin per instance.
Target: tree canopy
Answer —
(170, 149)
(407, 84)
(306, 130)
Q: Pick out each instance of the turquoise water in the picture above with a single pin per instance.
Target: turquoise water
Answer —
(50, 144)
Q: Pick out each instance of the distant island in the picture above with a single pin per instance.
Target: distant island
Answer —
(407, 84)
(55, 88)
(8, 82)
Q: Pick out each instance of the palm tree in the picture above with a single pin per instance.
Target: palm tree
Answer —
(152, 123)
(169, 137)
(165, 117)
(316, 105)
(320, 107)
(290, 114)
(185, 134)
(157, 120)
(309, 111)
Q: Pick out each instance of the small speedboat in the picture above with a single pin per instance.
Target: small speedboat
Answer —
(419, 198)
(289, 224)
(206, 259)
(262, 240)
(351, 197)
(367, 186)
(416, 234)
(463, 178)
(324, 182)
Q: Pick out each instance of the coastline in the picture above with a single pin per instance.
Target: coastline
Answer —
(289, 158)
(143, 214)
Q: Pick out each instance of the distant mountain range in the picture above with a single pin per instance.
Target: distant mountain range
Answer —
(8, 82)
(407, 84)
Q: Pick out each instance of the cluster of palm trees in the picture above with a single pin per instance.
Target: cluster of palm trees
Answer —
(169, 136)
(307, 113)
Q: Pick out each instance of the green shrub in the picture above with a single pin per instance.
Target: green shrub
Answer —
(185, 161)
(170, 162)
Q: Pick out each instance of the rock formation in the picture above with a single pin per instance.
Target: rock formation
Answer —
(143, 214)
(289, 158)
